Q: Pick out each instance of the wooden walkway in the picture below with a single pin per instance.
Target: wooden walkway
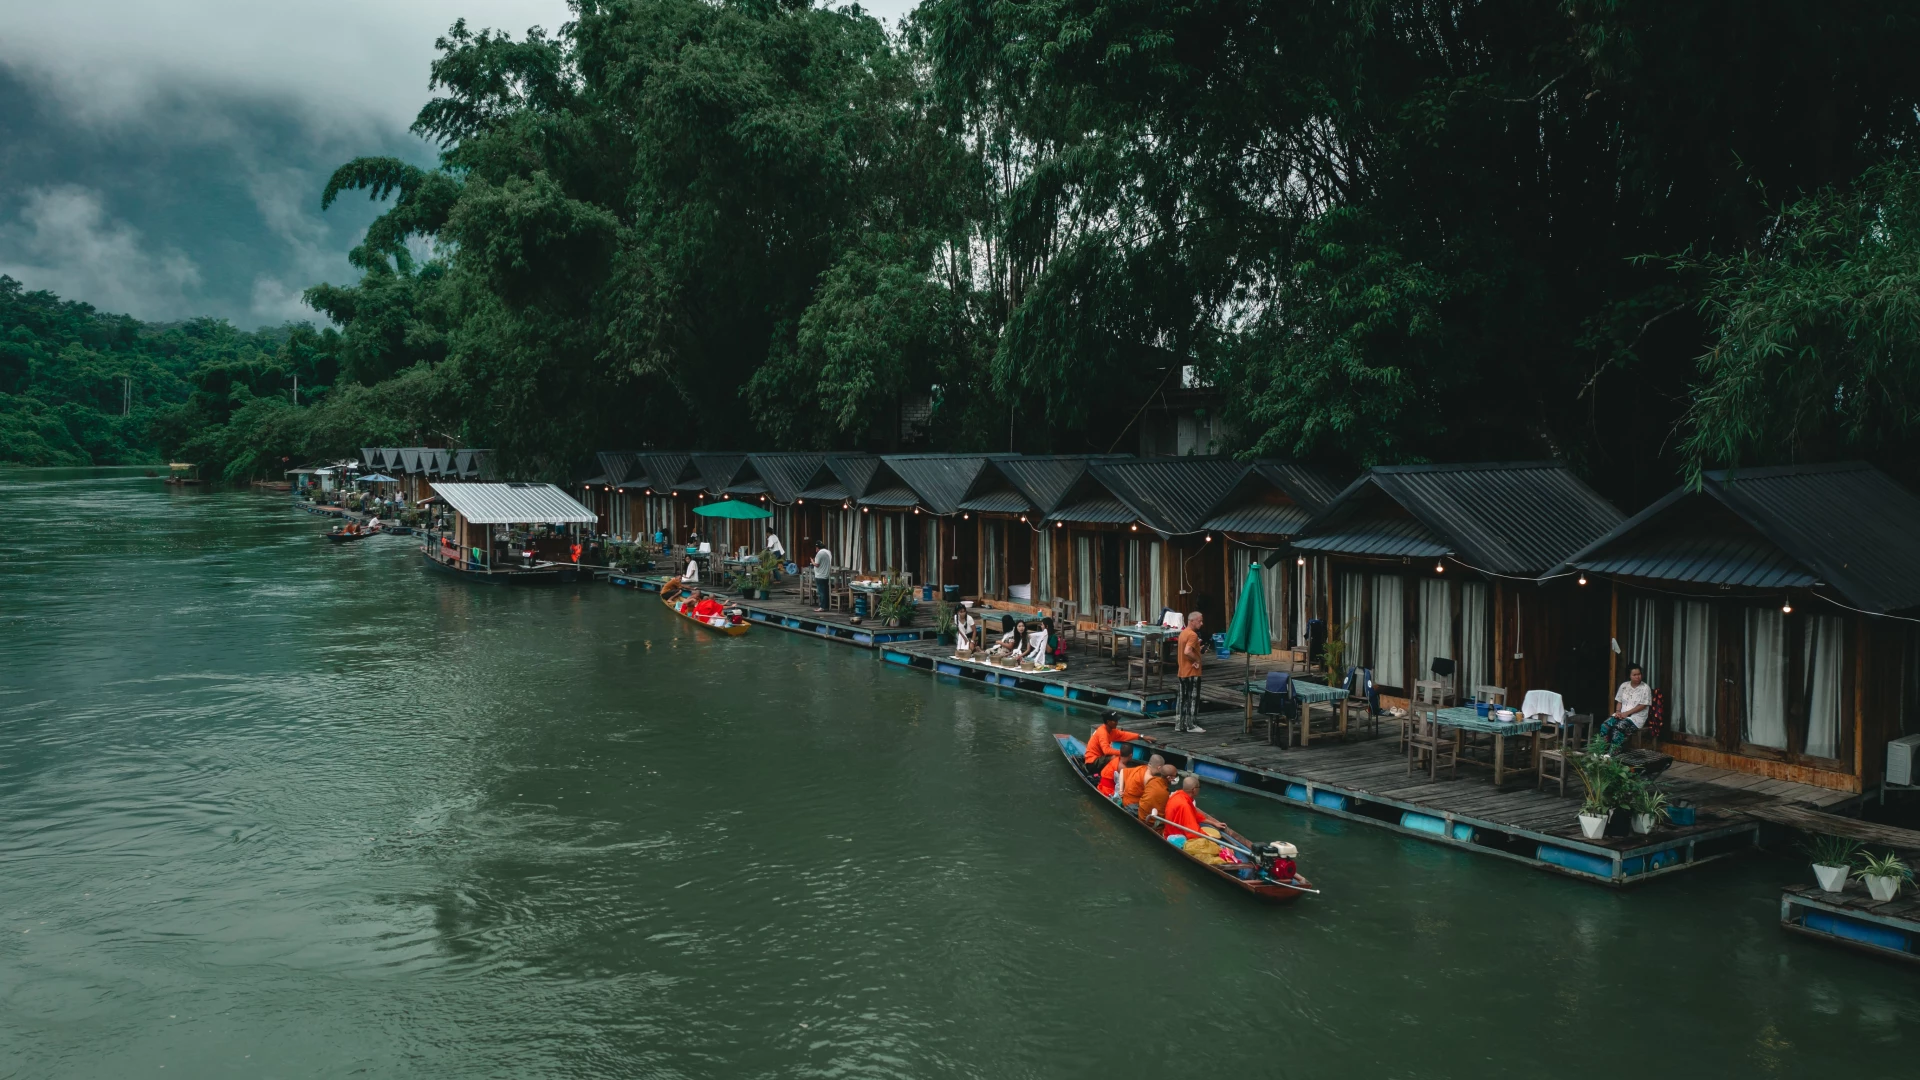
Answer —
(1366, 779)
(1092, 681)
(789, 609)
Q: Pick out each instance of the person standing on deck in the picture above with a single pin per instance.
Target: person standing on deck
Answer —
(1100, 743)
(1188, 671)
(822, 570)
(774, 545)
(1153, 792)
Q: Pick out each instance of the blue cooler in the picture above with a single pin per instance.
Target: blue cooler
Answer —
(926, 592)
(860, 605)
(1220, 646)
(950, 593)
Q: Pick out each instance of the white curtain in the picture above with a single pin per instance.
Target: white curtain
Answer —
(1136, 601)
(1825, 674)
(1043, 567)
(1238, 559)
(1156, 598)
(1300, 615)
(1389, 630)
(1695, 676)
(1275, 576)
(1436, 626)
(1476, 636)
(1643, 639)
(1083, 576)
(990, 558)
(1766, 684)
(1353, 587)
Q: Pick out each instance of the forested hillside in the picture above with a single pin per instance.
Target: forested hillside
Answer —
(1640, 237)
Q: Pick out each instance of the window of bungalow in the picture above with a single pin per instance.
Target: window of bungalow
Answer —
(1083, 594)
(1351, 626)
(1824, 679)
(990, 564)
(1043, 569)
(1389, 630)
(1436, 626)
(1909, 675)
(1692, 704)
(1764, 720)
(1476, 635)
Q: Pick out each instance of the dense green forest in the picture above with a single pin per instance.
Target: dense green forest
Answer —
(1640, 237)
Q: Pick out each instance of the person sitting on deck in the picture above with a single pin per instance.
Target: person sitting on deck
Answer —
(1037, 644)
(1133, 783)
(965, 627)
(692, 572)
(1100, 743)
(1012, 643)
(1182, 811)
(1633, 704)
(1154, 790)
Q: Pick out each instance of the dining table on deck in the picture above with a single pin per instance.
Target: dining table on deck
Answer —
(1308, 694)
(1466, 718)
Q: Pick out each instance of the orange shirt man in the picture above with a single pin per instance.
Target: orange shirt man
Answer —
(1100, 743)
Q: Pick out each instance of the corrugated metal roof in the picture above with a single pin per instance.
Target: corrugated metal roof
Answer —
(514, 504)
(1266, 518)
(622, 467)
(999, 501)
(1309, 485)
(474, 464)
(1520, 518)
(373, 457)
(893, 495)
(1171, 495)
(1097, 508)
(854, 471)
(1378, 536)
(1847, 525)
(783, 476)
(414, 460)
(715, 471)
(1046, 480)
(939, 480)
(662, 472)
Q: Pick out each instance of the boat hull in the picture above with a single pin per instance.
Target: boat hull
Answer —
(1274, 892)
(548, 575)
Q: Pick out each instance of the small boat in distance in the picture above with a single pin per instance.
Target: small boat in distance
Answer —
(182, 474)
(341, 534)
(729, 623)
(1252, 875)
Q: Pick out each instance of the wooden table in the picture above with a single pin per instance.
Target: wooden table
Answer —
(1466, 718)
(1311, 694)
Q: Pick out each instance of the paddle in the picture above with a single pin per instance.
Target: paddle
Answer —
(1230, 845)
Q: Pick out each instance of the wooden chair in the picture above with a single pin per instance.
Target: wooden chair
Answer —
(1119, 645)
(1429, 738)
(840, 591)
(1433, 692)
(1492, 695)
(1551, 744)
(1150, 662)
(1064, 620)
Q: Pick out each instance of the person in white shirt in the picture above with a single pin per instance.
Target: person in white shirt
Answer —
(964, 627)
(1036, 654)
(774, 545)
(692, 573)
(1633, 704)
(822, 570)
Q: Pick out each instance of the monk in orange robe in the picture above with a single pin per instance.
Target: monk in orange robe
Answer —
(708, 607)
(1183, 811)
(1100, 743)
(1110, 774)
(1153, 792)
(1133, 782)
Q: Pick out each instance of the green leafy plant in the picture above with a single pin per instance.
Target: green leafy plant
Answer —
(895, 600)
(1336, 649)
(1607, 782)
(1885, 864)
(760, 574)
(1833, 851)
(945, 617)
(1647, 798)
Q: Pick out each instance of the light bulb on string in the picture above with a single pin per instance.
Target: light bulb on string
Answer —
(1583, 579)
(1786, 607)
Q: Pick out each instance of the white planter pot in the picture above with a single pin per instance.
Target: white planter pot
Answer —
(1882, 888)
(1833, 879)
(1643, 823)
(1593, 826)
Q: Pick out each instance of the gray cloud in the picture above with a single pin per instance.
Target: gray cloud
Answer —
(65, 241)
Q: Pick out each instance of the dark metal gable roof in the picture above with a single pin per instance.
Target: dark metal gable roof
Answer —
(662, 472)
(715, 471)
(1273, 498)
(785, 475)
(1848, 525)
(1171, 495)
(1309, 485)
(854, 471)
(1506, 517)
(622, 467)
(940, 481)
(1043, 481)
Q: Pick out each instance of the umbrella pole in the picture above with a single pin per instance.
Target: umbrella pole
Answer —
(1247, 692)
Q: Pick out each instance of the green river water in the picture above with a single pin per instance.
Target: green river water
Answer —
(274, 808)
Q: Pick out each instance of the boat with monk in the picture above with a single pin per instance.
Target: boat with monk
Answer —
(1263, 870)
(342, 534)
(729, 621)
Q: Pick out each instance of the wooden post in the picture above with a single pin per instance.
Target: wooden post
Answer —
(1613, 635)
(1499, 634)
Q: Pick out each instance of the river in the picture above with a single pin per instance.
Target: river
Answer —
(275, 808)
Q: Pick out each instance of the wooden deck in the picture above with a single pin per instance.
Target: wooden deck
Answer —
(1091, 681)
(789, 609)
(1855, 920)
(1366, 779)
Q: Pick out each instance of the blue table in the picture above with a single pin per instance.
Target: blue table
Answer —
(1308, 694)
(1467, 718)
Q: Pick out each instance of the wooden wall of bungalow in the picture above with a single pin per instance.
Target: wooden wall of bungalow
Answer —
(1256, 522)
(1772, 608)
(1410, 563)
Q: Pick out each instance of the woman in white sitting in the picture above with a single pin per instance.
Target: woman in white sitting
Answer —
(1012, 643)
(964, 629)
(692, 573)
(1036, 654)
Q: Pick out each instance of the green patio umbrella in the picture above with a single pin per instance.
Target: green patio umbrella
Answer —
(1249, 630)
(729, 508)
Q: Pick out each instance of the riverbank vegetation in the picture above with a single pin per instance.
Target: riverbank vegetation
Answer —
(1642, 238)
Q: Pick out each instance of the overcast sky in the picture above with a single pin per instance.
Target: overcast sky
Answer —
(165, 159)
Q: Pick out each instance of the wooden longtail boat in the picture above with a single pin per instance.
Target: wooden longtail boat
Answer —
(1256, 883)
(732, 629)
(341, 536)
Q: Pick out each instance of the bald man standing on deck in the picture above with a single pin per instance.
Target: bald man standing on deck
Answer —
(1188, 670)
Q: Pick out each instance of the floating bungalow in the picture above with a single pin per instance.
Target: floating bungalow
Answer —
(1256, 521)
(1774, 610)
(509, 534)
(1413, 563)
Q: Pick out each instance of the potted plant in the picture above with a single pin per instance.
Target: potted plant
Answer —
(1648, 803)
(1832, 857)
(1335, 651)
(894, 603)
(1606, 783)
(944, 615)
(1884, 873)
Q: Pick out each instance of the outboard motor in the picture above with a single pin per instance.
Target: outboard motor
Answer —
(1277, 861)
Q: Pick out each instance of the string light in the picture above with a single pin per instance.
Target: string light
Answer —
(1583, 578)
(1439, 567)
(1135, 526)
(1786, 607)
(1059, 524)
(1299, 560)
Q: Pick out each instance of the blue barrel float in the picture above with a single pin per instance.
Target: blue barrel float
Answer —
(1330, 800)
(1866, 933)
(1216, 772)
(1427, 823)
(1588, 863)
